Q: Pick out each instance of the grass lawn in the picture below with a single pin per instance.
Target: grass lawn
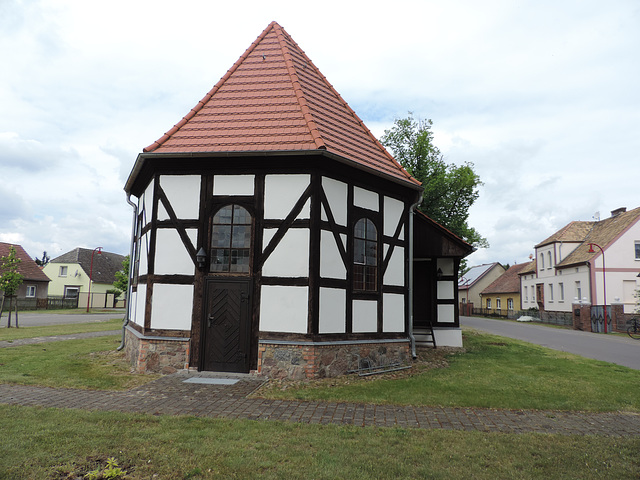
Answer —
(495, 372)
(43, 443)
(8, 334)
(90, 363)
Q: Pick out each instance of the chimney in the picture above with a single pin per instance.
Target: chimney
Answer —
(618, 211)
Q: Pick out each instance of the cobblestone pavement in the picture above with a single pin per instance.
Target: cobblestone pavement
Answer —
(170, 395)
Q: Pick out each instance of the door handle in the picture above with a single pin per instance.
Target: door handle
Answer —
(209, 320)
(244, 296)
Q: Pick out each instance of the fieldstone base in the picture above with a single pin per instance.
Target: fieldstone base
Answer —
(156, 354)
(298, 361)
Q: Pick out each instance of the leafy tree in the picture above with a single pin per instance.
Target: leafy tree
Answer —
(122, 277)
(10, 280)
(449, 190)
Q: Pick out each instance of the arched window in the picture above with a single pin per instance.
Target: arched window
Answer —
(365, 256)
(231, 240)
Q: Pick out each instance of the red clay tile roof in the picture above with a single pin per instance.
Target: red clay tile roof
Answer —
(27, 267)
(275, 99)
(508, 282)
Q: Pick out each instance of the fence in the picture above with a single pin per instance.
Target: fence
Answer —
(564, 319)
(98, 300)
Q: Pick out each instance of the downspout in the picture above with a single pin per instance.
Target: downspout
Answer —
(412, 338)
(131, 261)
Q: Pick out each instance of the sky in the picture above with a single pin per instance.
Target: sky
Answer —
(543, 97)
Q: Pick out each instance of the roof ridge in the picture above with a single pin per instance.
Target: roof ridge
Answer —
(295, 82)
(211, 92)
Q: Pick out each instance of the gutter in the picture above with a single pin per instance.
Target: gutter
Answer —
(412, 338)
(131, 262)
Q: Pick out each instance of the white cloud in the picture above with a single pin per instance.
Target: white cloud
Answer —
(540, 95)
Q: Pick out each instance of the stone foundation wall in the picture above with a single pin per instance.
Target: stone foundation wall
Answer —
(313, 360)
(155, 355)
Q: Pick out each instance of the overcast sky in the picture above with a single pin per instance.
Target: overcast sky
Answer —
(542, 96)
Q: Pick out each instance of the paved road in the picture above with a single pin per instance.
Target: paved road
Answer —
(27, 319)
(618, 349)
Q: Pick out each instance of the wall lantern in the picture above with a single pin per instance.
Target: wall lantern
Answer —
(201, 258)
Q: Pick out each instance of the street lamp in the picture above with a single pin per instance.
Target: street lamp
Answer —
(604, 282)
(99, 250)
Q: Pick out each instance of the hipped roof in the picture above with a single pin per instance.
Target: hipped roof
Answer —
(274, 99)
(105, 264)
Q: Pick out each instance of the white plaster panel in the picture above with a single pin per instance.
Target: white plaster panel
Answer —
(331, 264)
(140, 302)
(281, 192)
(332, 310)
(394, 274)
(393, 313)
(365, 199)
(446, 314)
(284, 309)
(143, 267)
(446, 265)
(171, 306)
(365, 316)
(146, 204)
(445, 290)
(183, 193)
(233, 184)
(393, 210)
(448, 337)
(291, 256)
(172, 258)
(336, 193)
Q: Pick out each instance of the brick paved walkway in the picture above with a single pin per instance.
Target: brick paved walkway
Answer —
(170, 395)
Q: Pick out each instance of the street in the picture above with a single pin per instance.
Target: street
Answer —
(618, 349)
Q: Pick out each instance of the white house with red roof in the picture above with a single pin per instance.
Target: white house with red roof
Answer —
(273, 233)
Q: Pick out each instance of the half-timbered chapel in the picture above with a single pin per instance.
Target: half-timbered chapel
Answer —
(273, 233)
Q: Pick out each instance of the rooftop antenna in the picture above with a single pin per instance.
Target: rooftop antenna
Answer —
(596, 216)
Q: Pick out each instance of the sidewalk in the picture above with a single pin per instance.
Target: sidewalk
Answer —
(226, 396)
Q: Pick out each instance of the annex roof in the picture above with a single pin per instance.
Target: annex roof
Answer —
(509, 281)
(105, 264)
(274, 99)
(604, 233)
(27, 267)
(474, 274)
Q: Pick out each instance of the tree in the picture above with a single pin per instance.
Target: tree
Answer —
(44, 261)
(449, 190)
(122, 277)
(10, 280)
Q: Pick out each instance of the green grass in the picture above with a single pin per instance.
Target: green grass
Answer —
(495, 372)
(43, 443)
(8, 334)
(91, 363)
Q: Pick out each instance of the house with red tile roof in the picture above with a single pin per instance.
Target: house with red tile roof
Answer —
(273, 233)
(503, 294)
(474, 281)
(576, 263)
(35, 283)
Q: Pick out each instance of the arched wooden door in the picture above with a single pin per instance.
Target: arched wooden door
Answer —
(227, 319)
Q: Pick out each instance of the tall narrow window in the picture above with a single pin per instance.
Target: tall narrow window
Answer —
(498, 304)
(509, 303)
(578, 291)
(231, 240)
(365, 256)
(637, 245)
(488, 303)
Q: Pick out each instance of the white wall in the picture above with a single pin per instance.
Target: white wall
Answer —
(233, 185)
(336, 193)
(332, 310)
(171, 307)
(366, 199)
(183, 193)
(331, 263)
(284, 309)
(291, 257)
(364, 316)
(172, 257)
(281, 192)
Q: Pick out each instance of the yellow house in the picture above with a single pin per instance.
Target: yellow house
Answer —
(503, 295)
(69, 274)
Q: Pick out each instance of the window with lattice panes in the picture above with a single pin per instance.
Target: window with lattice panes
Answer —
(231, 240)
(365, 256)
